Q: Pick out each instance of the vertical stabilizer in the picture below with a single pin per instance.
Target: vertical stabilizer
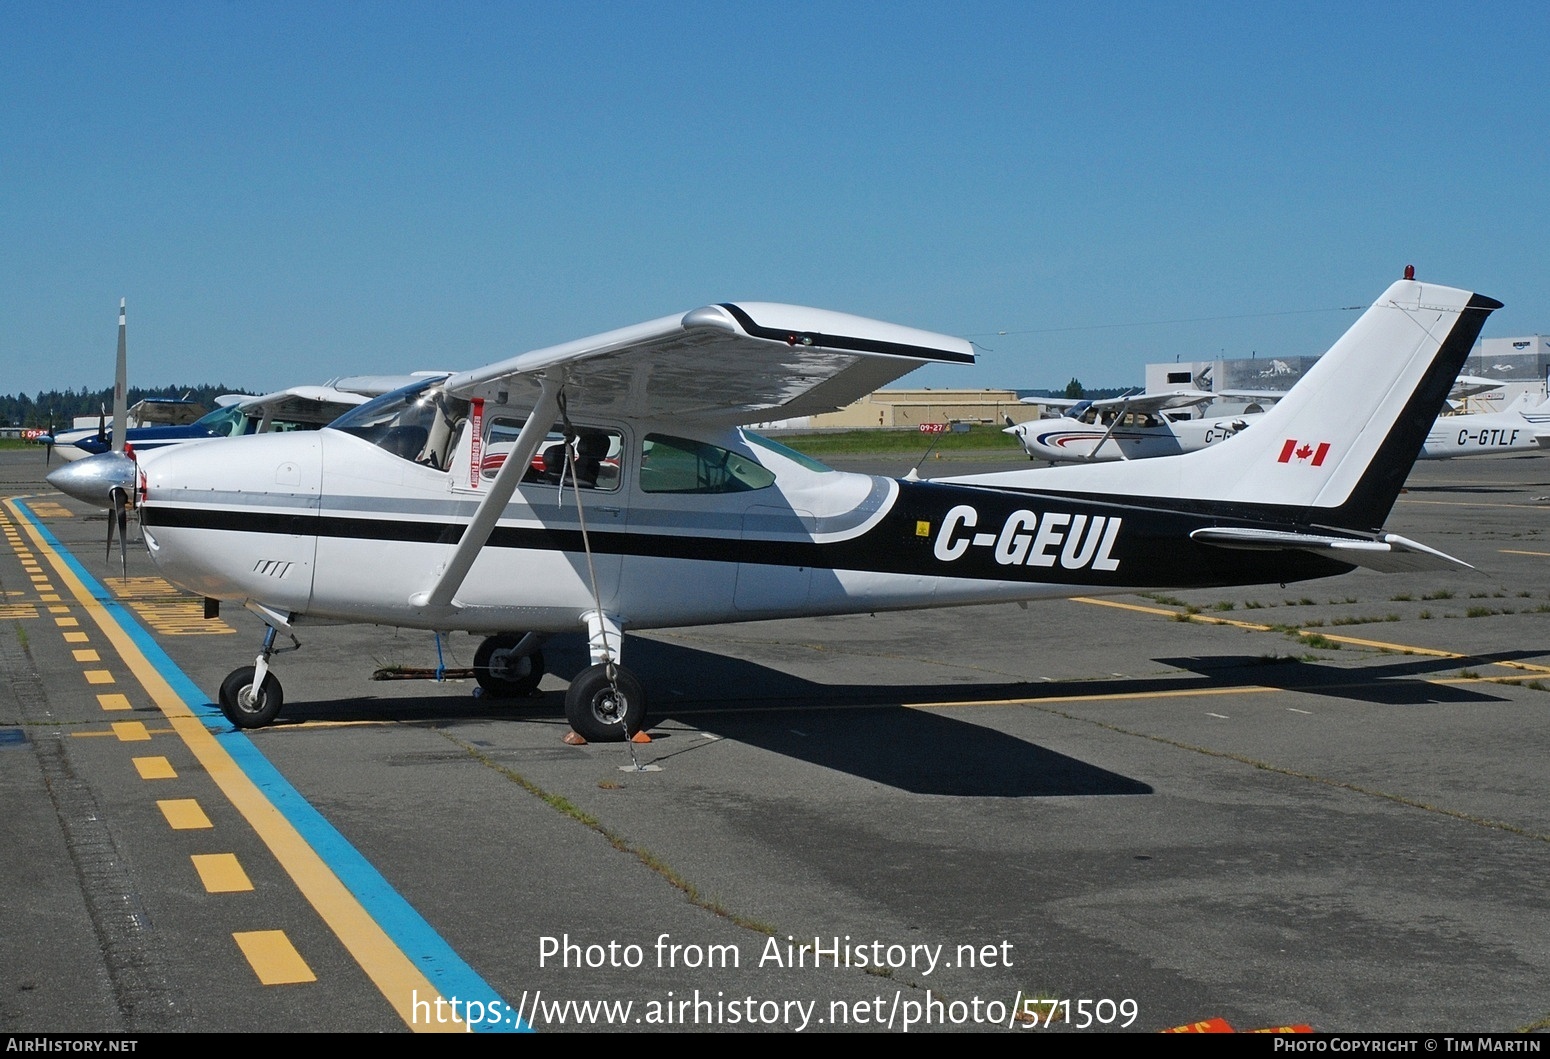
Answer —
(1337, 449)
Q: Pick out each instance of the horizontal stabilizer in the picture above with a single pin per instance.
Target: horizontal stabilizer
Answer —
(1388, 554)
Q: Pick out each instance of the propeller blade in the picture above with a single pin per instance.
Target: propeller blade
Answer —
(112, 499)
(120, 517)
(121, 386)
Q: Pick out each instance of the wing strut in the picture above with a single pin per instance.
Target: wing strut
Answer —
(1118, 418)
(494, 503)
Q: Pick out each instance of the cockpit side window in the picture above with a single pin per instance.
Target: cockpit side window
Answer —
(678, 465)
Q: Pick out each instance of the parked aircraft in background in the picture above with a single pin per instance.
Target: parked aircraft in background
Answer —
(298, 408)
(386, 516)
(101, 468)
(1490, 433)
(1134, 428)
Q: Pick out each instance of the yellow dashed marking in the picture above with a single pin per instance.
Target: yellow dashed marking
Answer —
(394, 972)
(184, 814)
(273, 958)
(1320, 632)
(131, 732)
(221, 874)
(179, 617)
(155, 768)
(114, 702)
(1514, 551)
(76, 637)
(1118, 696)
(86, 654)
(167, 609)
(48, 599)
(49, 509)
(17, 610)
(140, 587)
(98, 676)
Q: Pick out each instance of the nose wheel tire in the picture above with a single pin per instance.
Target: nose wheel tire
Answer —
(603, 710)
(503, 674)
(247, 707)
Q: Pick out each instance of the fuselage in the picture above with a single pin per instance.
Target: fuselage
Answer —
(669, 527)
(1135, 437)
(1483, 434)
(1075, 441)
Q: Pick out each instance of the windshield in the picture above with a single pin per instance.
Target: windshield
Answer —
(228, 422)
(801, 459)
(418, 423)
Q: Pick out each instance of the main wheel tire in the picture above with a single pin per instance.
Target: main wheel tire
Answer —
(246, 708)
(503, 674)
(603, 710)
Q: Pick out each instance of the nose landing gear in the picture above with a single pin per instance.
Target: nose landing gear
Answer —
(246, 703)
(251, 697)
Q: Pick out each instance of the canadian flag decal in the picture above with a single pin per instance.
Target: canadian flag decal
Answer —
(1301, 450)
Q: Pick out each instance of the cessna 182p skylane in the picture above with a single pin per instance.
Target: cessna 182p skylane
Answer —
(659, 511)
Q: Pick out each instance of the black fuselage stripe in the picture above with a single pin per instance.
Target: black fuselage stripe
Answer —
(1152, 549)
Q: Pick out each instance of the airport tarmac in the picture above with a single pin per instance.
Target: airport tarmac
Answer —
(1321, 804)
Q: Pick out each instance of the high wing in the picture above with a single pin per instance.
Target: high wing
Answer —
(726, 365)
(1470, 385)
(314, 406)
(1140, 402)
(300, 402)
(305, 404)
(719, 365)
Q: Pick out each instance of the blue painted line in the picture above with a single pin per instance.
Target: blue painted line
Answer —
(416, 938)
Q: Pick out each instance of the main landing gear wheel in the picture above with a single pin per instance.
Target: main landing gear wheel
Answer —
(246, 707)
(502, 673)
(603, 710)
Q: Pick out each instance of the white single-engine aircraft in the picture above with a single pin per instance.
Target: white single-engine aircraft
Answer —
(1518, 428)
(1133, 427)
(657, 510)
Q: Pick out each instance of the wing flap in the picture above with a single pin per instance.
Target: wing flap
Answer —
(1388, 554)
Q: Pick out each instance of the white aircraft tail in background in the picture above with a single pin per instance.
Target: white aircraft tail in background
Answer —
(1341, 441)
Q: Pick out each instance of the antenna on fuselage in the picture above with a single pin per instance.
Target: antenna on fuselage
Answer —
(937, 432)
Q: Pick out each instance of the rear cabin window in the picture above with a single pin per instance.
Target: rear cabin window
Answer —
(594, 462)
(678, 465)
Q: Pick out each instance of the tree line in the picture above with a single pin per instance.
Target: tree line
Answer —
(57, 408)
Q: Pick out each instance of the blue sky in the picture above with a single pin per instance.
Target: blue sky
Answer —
(288, 192)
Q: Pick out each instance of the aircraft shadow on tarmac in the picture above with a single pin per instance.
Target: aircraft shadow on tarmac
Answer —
(867, 731)
(861, 730)
(1400, 683)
